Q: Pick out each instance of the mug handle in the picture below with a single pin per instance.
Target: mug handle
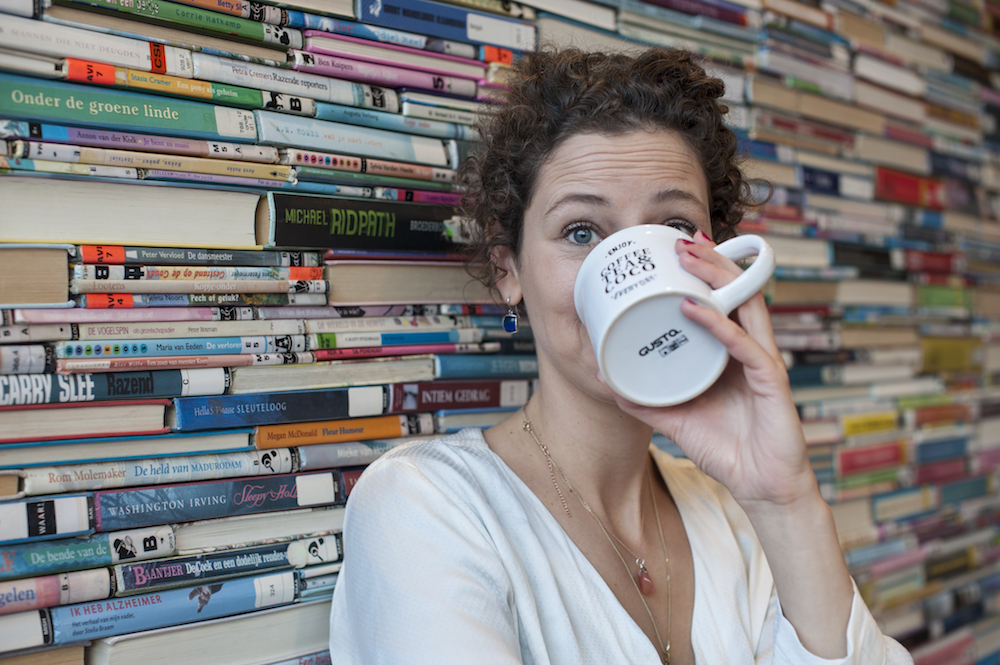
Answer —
(753, 278)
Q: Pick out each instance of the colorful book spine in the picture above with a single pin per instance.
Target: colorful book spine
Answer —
(333, 455)
(418, 196)
(891, 185)
(158, 471)
(318, 181)
(81, 316)
(393, 323)
(354, 164)
(45, 38)
(255, 11)
(45, 518)
(82, 286)
(105, 549)
(154, 272)
(95, 73)
(163, 504)
(162, 574)
(129, 300)
(189, 17)
(102, 138)
(378, 34)
(226, 411)
(337, 431)
(379, 74)
(448, 22)
(120, 255)
(300, 220)
(27, 359)
(393, 122)
(22, 390)
(210, 346)
(65, 168)
(164, 329)
(481, 394)
(51, 590)
(292, 131)
(470, 366)
(311, 86)
(420, 59)
(76, 365)
(362, 339)
(120, 110)
(359, 352)
(72, 154)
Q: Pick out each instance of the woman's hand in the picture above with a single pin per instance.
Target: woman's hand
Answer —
(744, 431)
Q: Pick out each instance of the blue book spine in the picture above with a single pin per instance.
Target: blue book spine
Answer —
(148, 506)
(806, 375)
(66, 388)
(309, 133)
(818, 180)
(937, 451)
(448, 22)
(145, 576)
(863, 555)
(105, 549)
(462, 366)
(226, 411)
(185, 346)
(88, 621)
(963, 490)
(393, 122)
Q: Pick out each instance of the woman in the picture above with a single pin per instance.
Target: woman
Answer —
(560, 535)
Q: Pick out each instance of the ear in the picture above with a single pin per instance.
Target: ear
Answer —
(509, 285)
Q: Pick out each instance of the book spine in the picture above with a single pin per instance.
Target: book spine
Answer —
(50, 590)
(336, 431)
(227, 411)
(154, 272)
(352, 164)
(85, 71)
(868, 458)
(21, 390)
(357, 339)
(299, 220)
(53, 556)
(108, 139)
(368, 72)
(120, 255)
(149, 506)
(128, 300)
(120, 110)
(203, 20)
(402, 350)
(209, 346)
(417, 196)
(393, 122)
(83, 286)
(27, 359)
(482, 394)
(910, 189)
(470, 366)
(389, 323)
(162, 574)
(26, 334)
(333, 455)
(255, 11)
(125, 158)
(60, 41)
(435, 114)
(72, 623)
(378, 34)
(49, 166)
(448, 22)
(159, 471)
(288, 130)
(45, 518)
(311, 86)
(188, 329)
(76, 365)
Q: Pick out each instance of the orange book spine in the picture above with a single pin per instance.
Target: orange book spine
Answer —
(330, 431)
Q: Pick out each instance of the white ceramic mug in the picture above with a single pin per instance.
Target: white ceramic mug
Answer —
(628, 294)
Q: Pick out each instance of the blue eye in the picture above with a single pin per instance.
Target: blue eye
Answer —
(582, 236)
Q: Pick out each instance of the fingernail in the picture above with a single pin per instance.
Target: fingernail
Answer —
(693, 302)
(700, 234)
(686, 242)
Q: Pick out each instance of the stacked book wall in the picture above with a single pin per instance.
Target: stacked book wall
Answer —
(231, 277)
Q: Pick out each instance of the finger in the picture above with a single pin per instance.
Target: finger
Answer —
(757, 362)
(756, 320)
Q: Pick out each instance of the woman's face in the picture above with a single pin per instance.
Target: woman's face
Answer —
(590, 187)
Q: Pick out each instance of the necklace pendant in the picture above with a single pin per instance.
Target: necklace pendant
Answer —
(645, 582)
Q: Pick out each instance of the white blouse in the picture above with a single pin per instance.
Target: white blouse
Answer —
(451, 559)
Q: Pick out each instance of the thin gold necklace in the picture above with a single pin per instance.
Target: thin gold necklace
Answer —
(664, 649)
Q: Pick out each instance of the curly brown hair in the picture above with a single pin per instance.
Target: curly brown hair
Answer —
(557, 94)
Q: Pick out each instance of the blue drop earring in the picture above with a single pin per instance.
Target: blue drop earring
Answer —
(510, 319)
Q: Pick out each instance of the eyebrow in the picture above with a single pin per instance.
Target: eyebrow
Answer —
(663, 196)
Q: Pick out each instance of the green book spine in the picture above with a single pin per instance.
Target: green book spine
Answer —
(202, 20)
(313, 174)
(40, 100)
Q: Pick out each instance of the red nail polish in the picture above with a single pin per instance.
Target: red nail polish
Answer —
(701, 234)
(693, 302)
(687, 242)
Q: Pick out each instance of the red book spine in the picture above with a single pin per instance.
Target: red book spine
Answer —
(910, 189)
(869, 458)
(936, 262)
(940, 414)
(941, 472)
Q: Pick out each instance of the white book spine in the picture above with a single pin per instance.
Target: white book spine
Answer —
(61, 41)
(18, 7)
(165, 330)
(438, 113)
